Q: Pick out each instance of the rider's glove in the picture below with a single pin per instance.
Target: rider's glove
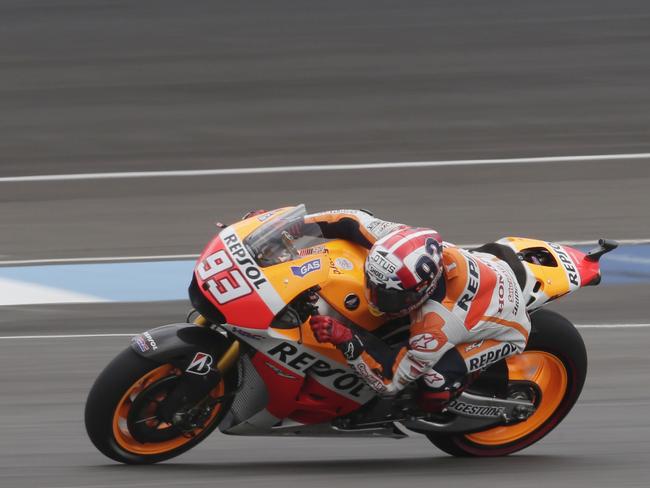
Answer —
(327, 329)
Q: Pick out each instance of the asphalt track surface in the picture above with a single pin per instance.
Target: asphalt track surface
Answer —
(122, 86)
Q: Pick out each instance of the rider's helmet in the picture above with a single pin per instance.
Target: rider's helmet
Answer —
(402, 270)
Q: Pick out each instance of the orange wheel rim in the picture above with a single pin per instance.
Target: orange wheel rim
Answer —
(120, 427)
(550, 375)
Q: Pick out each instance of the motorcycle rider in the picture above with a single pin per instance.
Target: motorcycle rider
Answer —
(466, 309)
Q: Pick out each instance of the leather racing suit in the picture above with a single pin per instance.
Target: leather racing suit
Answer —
(475, 317)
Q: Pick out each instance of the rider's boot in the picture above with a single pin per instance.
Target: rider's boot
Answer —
(443, 383)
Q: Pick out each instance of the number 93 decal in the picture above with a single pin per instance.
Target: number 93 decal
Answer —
(231, 286)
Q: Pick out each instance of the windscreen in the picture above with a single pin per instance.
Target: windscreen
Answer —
(282, 236)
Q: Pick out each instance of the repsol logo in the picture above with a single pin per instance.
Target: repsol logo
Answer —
(150, 340)
(472, 285)
(567, 263)
(243, 259)
(491, 356)
(341, 379)
(475, 410)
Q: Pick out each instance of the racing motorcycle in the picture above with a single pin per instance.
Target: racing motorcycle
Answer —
(249, 364)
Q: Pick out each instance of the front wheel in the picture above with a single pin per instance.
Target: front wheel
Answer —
(122, 411)
(555, 360)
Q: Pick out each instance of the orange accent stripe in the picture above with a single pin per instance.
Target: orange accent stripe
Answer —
(480, 303)
(374, 366)
(507, 323)
(456, 279)
(431, 323)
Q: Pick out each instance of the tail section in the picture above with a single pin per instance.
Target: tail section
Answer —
(554, 270)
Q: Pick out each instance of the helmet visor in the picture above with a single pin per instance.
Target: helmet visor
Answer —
(392, 301)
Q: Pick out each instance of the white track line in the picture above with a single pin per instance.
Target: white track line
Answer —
(65, 336)
(117, 259)
(630, 259)
(611, 326)
(87, 336)
(173, 257)
(622, 242)
(320, 167)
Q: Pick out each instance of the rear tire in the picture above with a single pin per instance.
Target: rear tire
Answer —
(116, 391)
(556, 344)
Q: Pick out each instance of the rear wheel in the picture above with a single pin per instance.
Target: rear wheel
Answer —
(554, 364)
(123, 417)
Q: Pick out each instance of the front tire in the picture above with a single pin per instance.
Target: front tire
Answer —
(555, 360)
(132, 386)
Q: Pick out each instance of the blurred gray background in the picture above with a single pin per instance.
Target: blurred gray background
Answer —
(88, 86)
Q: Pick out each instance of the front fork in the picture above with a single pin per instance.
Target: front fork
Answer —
(230, 356)
(195, 390)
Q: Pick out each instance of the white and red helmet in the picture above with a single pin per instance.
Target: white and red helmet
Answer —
(402, 270)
